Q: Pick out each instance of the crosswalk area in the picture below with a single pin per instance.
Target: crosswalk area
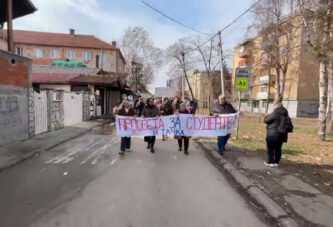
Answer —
(86, 150)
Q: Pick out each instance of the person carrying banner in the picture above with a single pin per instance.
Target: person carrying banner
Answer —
(166, 110)
(223, 107)
(278, 126)
(125, 110)
(149, 111)
(183, 109)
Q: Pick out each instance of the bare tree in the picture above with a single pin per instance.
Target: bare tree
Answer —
(179, 56)
(276, 23)
(138, 47)
(318, 21)
(208, 54)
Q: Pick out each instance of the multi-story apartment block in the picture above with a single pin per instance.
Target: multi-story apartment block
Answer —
(301, 90)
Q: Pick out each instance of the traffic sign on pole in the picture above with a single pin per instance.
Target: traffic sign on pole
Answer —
(242, 79)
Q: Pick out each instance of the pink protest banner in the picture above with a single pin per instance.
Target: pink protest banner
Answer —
(180, 125)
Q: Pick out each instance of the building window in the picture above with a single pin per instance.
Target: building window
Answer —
(264, 104)
(71, 54)
(263, 89)
(54, 53)
(19, 51)
(38, 52)
(86, 56)
(204, 104)
(249, 104)
(255, 104)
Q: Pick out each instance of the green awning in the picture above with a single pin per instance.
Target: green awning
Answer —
(70, 64)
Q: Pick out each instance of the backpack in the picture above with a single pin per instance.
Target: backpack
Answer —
(286, 125)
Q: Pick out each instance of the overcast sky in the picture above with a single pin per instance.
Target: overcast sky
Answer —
(107, 19)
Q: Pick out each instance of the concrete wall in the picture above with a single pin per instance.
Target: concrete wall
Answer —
(14, 86)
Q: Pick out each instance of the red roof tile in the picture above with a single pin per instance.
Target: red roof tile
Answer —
(58, 39)
(52, 78)
(96, 80)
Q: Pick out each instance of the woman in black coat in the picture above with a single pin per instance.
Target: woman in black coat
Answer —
(149, 111)
(274, 137)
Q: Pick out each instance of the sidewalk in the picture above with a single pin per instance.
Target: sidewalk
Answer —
(295, 194)
(22, 150)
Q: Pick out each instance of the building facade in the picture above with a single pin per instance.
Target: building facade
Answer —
(301, 87)
(43, 48)
(200, 85)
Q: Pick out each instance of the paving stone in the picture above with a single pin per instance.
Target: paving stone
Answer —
(318, 209)
(293, 183)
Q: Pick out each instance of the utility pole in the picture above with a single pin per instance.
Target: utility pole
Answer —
(268, 89)
(10, 25)
(186, 77)
(183, 87)
(221, 62)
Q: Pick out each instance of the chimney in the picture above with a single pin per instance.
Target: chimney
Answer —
(72, 32)
(114, 43)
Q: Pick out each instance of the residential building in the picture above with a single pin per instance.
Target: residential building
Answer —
(200, 85)
(168, 92)
(105, 88)
(45, 47)
(301, 93)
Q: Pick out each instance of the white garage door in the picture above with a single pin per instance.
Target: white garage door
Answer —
(73, 108)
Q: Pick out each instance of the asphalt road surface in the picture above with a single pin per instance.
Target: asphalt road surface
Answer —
(84, 183)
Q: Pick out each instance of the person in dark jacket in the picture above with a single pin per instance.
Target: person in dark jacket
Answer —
(176, 103)
(223, 107)
(139, 105)
(274, 138)
(125, 110)
(150, 110)
(166, 110)
(183, 109)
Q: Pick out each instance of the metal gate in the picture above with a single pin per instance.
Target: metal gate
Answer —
(40, 102)
(73, 108)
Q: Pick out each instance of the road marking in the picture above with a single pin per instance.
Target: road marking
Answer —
(113, 161)
(68, 156)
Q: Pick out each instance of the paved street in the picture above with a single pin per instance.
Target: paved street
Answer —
(84, 183)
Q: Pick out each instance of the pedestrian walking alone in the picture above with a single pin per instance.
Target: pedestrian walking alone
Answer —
(184, 109)
(150, 110)
(278, 126)
(166, 110)
(125, 110)
(223, 107)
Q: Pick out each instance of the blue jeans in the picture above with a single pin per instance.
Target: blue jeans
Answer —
(221, 142)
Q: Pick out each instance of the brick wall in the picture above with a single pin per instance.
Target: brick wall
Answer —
(14, 105)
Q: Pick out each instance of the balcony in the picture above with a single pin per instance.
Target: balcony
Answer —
(263, 95)
(265, 78)
(244, 52)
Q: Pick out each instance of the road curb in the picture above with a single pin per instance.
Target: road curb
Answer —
(272, 208)
(44, 149)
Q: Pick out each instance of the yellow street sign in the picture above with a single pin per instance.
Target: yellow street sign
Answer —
(242, 83)
(242, 79)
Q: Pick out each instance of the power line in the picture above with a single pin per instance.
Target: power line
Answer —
(229, 25)
(174, 20)
(245, 12)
